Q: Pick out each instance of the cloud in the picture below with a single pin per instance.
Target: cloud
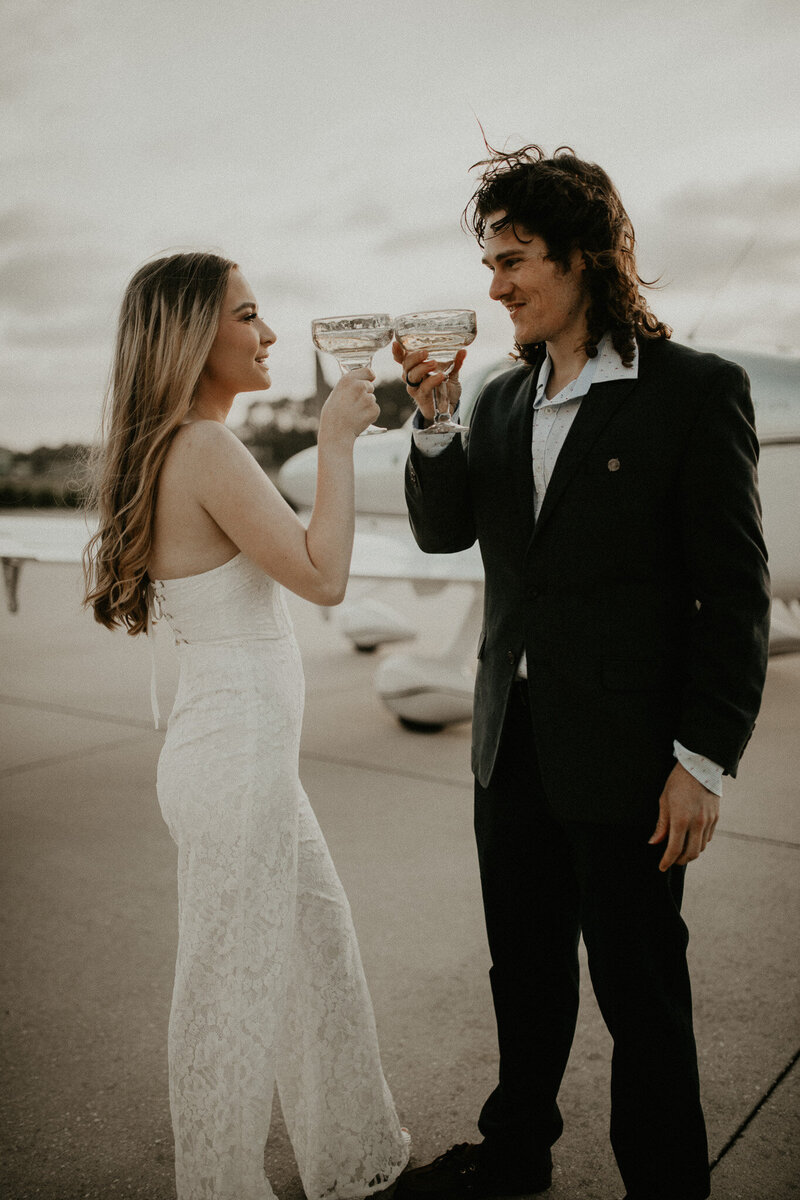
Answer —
(58, 282)
(18, 225)
(747, 232)
(753, 198)
(59, 311)
(30, 24)
(337, 215)
(59, 291)
(30, 279)
(290, 287)
(435, 236)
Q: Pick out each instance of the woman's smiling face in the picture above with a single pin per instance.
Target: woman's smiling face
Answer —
(237, 361)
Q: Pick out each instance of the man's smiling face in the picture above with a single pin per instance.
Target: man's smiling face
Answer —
(545, 302)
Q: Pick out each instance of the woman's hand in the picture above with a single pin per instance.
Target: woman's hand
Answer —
(417, 368)
(350, 408)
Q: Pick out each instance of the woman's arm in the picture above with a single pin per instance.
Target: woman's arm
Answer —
(238, 496)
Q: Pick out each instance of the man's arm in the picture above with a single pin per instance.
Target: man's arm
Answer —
(726, 561)
(437, 485)
(438, 499)
(726, 556)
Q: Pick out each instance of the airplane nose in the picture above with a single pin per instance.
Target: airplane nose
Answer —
(297, 478)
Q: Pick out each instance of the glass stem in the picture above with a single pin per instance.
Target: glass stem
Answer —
(439, 394)
(347, 367)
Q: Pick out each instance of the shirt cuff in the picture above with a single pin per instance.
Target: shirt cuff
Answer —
(431, 444)
(704, 770)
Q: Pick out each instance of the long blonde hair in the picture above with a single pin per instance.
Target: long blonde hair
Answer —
(167, 325)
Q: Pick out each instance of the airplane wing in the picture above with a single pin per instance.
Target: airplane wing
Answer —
(378, 553)
(383, 549)
(38, 539)
(396, 555)
(44, 538)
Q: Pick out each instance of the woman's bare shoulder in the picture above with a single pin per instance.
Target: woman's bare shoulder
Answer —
(204, 435)
(186, 538)
(203, 445)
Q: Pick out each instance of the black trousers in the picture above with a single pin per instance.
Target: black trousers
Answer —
(545, 883)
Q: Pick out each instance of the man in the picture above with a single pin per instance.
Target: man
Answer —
(610, 479)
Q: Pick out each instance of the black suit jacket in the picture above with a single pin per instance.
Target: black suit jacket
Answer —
(641, 594)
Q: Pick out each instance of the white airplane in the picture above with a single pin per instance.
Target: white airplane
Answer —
(429, 692)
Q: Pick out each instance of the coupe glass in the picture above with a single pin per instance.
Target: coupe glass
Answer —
(352, 341)
(443, 331)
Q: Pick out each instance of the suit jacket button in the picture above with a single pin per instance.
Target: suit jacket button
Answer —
(613, 464)
(511, 656)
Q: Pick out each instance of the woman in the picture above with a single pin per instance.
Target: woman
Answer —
(269, 986)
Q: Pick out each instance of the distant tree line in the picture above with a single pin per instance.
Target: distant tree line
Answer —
(272, 441)
(47, 477)
(55, 476)
(25, 495)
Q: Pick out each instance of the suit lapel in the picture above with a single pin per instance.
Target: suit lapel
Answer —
(597, 408)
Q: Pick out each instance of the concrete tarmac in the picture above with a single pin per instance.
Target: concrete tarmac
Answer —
(89, 919)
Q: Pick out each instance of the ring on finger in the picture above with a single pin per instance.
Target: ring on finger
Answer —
(411, 384)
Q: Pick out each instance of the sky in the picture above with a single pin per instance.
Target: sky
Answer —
(326, 148)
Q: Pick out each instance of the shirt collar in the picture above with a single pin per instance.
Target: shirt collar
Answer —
(604, 367)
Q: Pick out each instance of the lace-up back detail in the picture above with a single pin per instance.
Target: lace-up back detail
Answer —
(232, 603)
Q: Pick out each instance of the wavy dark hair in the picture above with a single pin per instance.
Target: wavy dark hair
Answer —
(570, 204)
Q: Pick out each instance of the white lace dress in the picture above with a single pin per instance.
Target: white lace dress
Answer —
(269, 987)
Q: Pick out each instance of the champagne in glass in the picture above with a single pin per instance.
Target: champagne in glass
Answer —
(352, 341)
(443, 332)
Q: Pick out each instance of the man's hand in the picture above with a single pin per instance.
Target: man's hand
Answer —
(688, 814)
(417, 367)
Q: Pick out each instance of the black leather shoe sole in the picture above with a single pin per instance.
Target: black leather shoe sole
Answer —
(464, 1173)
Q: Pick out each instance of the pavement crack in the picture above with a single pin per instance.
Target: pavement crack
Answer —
(754, 837)
(382, 769)
(754, 1111)
(72, 710)
(57, 759)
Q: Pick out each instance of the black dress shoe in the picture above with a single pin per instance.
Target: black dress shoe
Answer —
(468, 1172)
(639, 1197)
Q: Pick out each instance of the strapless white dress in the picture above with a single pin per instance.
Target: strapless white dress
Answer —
(269, 987)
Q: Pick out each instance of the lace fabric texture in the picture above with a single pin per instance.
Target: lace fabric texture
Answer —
(269, 987)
